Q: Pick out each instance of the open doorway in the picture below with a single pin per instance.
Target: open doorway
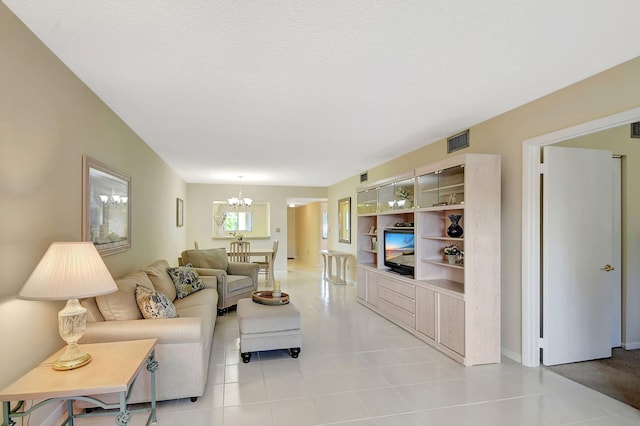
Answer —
(305, 229)
(531, 275)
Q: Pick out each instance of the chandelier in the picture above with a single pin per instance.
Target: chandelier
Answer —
(240, 201)
(113, 199)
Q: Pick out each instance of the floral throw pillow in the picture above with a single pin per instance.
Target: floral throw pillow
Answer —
(154, 304)
(186, 280)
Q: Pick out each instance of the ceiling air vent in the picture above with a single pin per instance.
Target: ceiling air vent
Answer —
(364, 176)
(635, 129)
(459, 141)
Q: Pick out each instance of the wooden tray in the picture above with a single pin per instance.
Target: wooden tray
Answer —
(265, 297)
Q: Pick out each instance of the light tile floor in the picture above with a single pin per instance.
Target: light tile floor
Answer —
(356, 368)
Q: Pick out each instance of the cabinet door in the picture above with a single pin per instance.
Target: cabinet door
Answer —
(368, 201)
(442, 187)
(396, 195)
(361, 279)
(372, 288)
(451, 322)
(426, 311)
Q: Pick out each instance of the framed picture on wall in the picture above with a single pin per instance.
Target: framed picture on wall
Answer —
(344, 220)
(106, 207)
(179, 212)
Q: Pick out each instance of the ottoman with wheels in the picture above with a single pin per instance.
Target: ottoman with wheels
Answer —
(265, 328)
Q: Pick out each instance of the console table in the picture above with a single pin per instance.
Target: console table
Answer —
(113, 369)
(341, 265)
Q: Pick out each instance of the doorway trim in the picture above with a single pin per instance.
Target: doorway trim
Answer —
(531, 223)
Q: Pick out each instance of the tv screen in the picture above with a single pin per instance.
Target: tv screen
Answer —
(399, 250)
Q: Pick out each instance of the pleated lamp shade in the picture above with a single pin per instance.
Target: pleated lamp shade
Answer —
(69, 270)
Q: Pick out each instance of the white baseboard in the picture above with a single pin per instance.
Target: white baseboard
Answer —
(512, 355)
(631, 345)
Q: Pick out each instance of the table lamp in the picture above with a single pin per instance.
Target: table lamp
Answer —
(69, 271)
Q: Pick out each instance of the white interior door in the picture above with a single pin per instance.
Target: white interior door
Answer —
(577, 244)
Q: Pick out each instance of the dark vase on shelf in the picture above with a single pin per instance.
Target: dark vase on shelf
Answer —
(454, 230)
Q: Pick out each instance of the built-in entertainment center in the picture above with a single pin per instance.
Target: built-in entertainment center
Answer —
(428, 255)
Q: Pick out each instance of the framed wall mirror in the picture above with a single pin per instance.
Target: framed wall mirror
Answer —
(106, 207)
(344, 220)
(246, 222)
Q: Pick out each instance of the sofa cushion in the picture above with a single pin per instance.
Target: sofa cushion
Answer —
(211, 258)
(154, 304)
(93, 312)
(161, 280)
(238, 283)
(207, 297)
(122, 304)
(186, 280)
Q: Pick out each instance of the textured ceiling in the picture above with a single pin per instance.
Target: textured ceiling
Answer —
(308, 93)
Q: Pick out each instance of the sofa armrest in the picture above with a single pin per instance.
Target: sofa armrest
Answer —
(166, 330)
(243, 268)
(209, 274)
(210, 281)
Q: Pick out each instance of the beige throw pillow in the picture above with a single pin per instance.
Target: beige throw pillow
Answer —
(122, 305)
(161, 280)
(153, 304)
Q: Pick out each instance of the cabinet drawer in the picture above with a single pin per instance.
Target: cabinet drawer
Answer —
(398, 286)
(399, 300)
(397, 314)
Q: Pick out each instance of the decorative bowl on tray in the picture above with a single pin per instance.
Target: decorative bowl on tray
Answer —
(265, 297)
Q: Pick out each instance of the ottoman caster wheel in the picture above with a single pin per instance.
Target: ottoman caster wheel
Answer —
(295, 352)
(246, 357)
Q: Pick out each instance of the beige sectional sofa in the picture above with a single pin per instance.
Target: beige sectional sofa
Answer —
(184, 342)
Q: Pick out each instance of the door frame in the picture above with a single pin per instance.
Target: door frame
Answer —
(531, 223)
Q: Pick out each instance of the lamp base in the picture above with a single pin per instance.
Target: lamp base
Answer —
(72, 358)
(72, 321)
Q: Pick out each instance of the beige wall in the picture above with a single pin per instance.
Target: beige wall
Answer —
(308, 233)
(200, 198)
(610, 92)
(338, 191)
(48, 120)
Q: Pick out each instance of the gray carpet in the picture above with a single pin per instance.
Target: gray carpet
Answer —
(618, 376)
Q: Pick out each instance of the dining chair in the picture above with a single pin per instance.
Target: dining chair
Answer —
(239, 251)
(264, 265)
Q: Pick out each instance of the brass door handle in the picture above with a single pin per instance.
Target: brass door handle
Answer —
(608, 268)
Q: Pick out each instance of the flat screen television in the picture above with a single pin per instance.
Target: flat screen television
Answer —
(399, 251)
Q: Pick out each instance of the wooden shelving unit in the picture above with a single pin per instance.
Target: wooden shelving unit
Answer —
(454, 307)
